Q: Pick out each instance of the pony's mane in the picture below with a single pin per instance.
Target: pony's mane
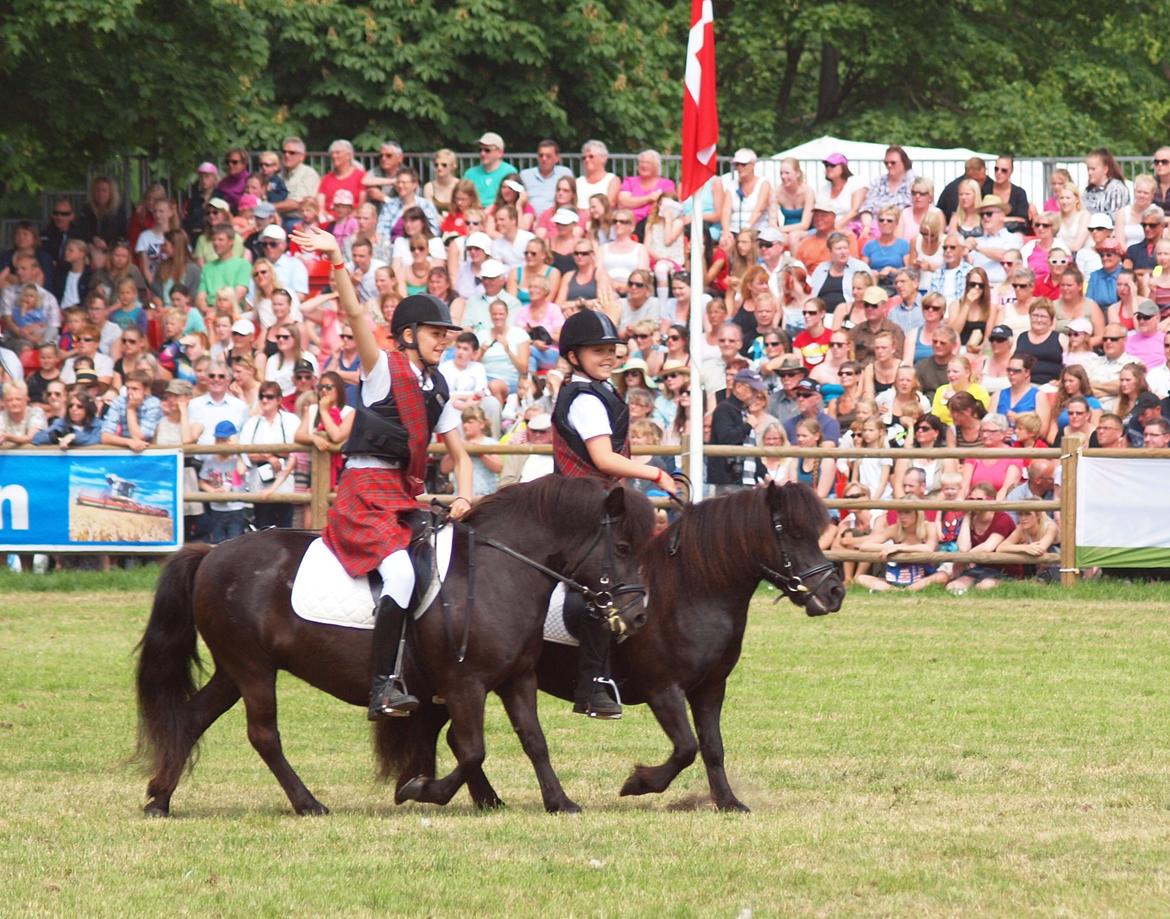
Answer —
(556, 502)
(718, 538)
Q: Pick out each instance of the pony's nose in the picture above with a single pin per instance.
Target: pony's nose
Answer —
(638, 619)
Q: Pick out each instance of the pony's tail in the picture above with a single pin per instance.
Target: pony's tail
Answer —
(405, 747)
(167, 660)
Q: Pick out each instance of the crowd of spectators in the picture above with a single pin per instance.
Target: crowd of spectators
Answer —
(835, 313)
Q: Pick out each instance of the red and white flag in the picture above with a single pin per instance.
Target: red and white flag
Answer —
(700, 112)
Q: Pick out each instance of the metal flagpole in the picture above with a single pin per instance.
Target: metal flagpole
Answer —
(698, 472)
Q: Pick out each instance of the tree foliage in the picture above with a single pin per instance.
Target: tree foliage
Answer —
(177, 80)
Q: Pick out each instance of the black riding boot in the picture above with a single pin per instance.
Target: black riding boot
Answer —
(594, 697)
(388, 695)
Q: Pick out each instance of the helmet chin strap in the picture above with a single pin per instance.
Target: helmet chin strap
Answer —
(405, 345)
(577, 368)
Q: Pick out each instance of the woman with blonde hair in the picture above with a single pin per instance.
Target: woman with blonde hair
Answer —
(926, 247)
(965, 220)
(1072, 225)
(958, 380)
(439, 189)
(921, 205)
(599, 228)
(280, 366)
(911, 532)
(1127, 222)
(664, 242)
(792, 203)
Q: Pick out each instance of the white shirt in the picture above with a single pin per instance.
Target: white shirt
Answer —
(103, 366)
(206, 411)
(376, 387)
(11, 364)
(1004, 239)
(1158, 380)
(512, 253)
(464, 381)
(587, 415)
(293, 274)
(259, 430)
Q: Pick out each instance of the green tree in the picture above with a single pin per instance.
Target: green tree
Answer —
(88, 79)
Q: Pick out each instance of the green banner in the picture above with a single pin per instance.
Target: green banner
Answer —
(1112, 557)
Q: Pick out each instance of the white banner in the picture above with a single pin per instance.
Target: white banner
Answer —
(1123, 512)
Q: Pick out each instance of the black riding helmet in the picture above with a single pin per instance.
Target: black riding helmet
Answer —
(421, 309)
(587, 327)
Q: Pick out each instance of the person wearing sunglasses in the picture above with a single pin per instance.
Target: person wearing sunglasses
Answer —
(986, 250)
(492, 169)
(1014, 195)
(889, 190)
(1142, 254)
(231, 186)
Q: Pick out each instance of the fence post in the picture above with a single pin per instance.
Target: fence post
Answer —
(1070, 451)
(320, 476)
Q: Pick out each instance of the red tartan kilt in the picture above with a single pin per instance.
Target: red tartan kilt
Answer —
(363, 526)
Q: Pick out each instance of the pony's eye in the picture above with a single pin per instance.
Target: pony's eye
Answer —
(622, 549)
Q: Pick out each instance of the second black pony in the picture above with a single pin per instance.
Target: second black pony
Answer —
(236, 596)
(701, 574)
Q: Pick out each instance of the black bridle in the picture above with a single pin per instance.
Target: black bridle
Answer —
(799, 587)
(602, 603)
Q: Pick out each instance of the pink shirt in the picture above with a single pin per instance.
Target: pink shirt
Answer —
(552, 320)
(993, 471)
(546, 221)
(1146, 348)
(330, 185)
(634, 186)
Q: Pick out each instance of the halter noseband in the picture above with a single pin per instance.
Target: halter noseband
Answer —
(798, 587)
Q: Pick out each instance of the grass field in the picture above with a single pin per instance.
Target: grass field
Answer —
(909, 755)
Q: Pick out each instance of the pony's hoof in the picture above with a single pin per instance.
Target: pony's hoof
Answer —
(155, 809)
(315, 809)
(733, 806)
(490, 804)
(635, 785)
(565, 807)
(412, 790)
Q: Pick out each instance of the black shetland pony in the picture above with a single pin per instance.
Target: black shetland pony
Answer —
(700, 574)
(237, 597)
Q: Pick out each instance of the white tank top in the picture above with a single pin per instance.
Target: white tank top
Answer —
(743, 208)
(586, 189)
(620, 264)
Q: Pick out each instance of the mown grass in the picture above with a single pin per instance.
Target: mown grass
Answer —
(909, 755)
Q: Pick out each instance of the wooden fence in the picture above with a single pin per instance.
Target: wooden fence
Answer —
(320, 495)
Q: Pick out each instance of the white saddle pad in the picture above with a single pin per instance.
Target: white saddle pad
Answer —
(323, 592)
(554, 621)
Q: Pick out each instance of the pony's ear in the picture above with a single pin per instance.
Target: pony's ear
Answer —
(774, 496)
(615, 502)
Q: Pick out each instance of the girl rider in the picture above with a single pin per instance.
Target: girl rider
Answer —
(591, 437)
(403, 400)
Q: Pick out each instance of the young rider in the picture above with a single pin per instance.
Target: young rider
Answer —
(591, 437)
(403, 399)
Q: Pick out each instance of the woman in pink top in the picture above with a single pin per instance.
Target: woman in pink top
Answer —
(1002, 475)
(541, 313)
(638, 192)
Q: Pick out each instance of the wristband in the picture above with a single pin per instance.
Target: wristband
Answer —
(339, 266)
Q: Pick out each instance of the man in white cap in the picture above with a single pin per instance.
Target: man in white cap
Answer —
(217, 213)
(290, 270)
(539, 432)
(477, 315)
(492, 169)
(747, 195)
(987, 250)
(771, 243)
(1088, 258)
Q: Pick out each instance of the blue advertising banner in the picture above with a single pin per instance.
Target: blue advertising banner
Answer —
(99, 501)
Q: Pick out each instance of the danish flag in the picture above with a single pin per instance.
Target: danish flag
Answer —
(700, 113)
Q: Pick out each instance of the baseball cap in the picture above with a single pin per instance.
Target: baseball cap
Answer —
(492, 268)
(343, 196)
(243, 327)
(836, 159)
(207, 167)
(178, 388)
(219, 204)
(1100, 222)
(565, 216)
(824, 204)
(541, 422)
(264, 210)
(491, 139)
(770, 235)
(808, 386)
(514, 185)
(875, 295)
(248, 201)
(752, 379)
(85, 376)
(744, 155)
(1001, 333)
(1146, 308)
(1146, 400)
(478, 240)
(224, 430)
(272, 231)
(305, 365)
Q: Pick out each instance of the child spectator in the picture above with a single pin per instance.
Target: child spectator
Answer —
(856, 526)
(1032, 537)
(911, 533)
(223, 474)
(984, 531)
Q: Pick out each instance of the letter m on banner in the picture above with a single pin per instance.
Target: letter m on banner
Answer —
(700, 112)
